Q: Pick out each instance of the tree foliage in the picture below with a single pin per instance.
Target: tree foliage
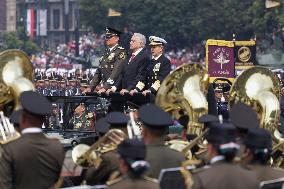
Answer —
(17, 40)
(185, 22)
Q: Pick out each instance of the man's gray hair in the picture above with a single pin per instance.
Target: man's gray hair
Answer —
(141, 37)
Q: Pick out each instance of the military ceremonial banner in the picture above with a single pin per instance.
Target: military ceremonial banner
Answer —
(245, 54)
(30, 22)
(41, 22)
(220, 59)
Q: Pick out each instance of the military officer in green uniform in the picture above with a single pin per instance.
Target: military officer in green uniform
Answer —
(258, 147)
(31, 161)
(82, 120)
(111, 63)
(132, 164)
(155, 125)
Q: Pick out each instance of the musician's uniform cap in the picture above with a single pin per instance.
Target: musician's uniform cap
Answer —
(132, 149)
(243, 116)
(154, 116)
(102, 126)
(16, 116)
(35, 103)
(258, 138)
(71, 79)
(61, 79)
(84, 83)
(53, 79)
(39, 78)
(156, 41)
(221, 133)
(207, 118)
(110, 32)
(46, 78)
(218, 87)
(117, 119)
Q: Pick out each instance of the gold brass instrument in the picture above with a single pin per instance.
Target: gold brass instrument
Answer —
(278, 146)
(183, 92)
(16, 73)
(133, 129)
(259, 88)
(187, 176)
(88, 156)
(7, 130)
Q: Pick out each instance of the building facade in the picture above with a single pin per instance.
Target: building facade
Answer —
(7, 15)
(60, 15)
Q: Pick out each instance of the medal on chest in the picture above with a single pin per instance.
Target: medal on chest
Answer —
(157, 67)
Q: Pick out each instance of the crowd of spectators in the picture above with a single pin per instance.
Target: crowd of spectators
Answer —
(92, 46)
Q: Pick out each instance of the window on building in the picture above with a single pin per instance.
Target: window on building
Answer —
(56, 18)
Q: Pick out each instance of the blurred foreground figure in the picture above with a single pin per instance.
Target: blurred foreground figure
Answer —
(32, 161)
(132, 165)
(258, 147)
(222, 173)
(155, 126)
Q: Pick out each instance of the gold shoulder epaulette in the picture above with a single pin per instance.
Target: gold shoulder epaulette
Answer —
(150, 179)
(11, 139)
(200, 169)
(111, 182)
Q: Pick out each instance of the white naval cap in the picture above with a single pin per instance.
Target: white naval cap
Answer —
(157, 41)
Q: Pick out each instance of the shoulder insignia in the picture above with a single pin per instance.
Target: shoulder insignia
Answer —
(156, 85)
(122, 55)
(151, 179)
(16, 137)
(114, 175)
(140, 85)
(119, 47)
(111, 182)
(201, 169)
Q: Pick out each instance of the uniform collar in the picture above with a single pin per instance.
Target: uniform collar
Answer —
(216, 159)
(156, 58)
(31, 130)
(110, 49)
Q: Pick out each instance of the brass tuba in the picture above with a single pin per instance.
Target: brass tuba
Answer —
(16, 73)
(259, 88)
(183, 92)
(88, 156)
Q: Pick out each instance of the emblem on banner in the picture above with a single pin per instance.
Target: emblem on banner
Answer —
(221, 57)
(244, 54)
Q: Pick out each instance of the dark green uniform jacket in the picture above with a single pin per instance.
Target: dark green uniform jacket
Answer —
(161, 157)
